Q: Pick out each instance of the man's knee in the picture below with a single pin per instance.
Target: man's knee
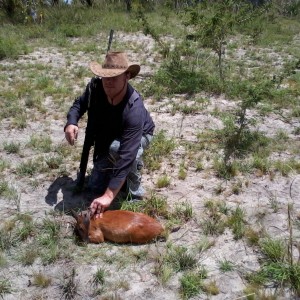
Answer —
(114, 149)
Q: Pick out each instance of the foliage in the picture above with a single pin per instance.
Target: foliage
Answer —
(11, 147)
(226, 265)
(191, 283)
(12, 8)
(289, 8)
(155, 206)
(180, 75)
(237, 223)
(278, 266)
(99, 277)
(69, 285)
(260, 85)
(273, 249)
(236, 138)
(163, 181)
(7, 190)
(11, 46)
(5, 287)
(213, 23)
(180, 259)
(160, 148)
(164, 48)
(41, 280)
(214, 222)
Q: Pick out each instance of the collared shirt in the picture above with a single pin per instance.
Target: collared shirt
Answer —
(127, 122)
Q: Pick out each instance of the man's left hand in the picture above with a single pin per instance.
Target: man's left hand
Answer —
(99, 205)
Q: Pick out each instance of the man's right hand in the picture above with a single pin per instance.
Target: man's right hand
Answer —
(71, 133)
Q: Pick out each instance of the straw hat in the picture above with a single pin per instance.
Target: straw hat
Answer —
(115, 63)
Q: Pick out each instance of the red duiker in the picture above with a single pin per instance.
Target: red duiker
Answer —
(119, 226)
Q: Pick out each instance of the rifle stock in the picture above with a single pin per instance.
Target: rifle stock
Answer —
(88, 143)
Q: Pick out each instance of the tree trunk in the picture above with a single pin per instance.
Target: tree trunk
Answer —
(128, 5)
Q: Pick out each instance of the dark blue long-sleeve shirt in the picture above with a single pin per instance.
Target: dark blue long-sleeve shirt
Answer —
(127, 122)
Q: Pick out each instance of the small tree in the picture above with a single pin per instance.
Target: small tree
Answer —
(236, 138)
(128, 5)
(213, 22)
(149, 30)
(11, 7)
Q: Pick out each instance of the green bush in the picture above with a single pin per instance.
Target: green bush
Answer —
(11, 46)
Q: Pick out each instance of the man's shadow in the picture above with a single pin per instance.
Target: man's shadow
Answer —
(65, 195)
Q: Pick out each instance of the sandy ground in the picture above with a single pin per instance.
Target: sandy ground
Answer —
(257, 192)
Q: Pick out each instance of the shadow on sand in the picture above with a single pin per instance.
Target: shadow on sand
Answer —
(63, 194)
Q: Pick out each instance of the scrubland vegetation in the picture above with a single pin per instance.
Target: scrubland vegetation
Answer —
(228, 69)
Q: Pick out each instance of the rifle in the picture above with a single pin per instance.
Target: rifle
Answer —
(89, 139)
(88, 143)
(111, 34)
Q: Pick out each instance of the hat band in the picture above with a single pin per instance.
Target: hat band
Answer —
(107, 66)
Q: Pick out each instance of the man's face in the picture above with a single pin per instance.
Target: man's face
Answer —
(113, 85)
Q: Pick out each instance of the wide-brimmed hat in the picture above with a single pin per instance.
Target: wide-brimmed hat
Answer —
(115, 63)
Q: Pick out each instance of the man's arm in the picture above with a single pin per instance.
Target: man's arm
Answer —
(100, 204)
(79, 107)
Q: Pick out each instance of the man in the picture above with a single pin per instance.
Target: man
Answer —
(120, 126)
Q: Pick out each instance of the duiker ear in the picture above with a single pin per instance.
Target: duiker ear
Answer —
(88, 214)
(86, 218)
(74, 214)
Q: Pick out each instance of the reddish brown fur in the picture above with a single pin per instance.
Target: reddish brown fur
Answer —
(118, 226)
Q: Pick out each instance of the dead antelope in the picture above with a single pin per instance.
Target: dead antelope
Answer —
(119, 226)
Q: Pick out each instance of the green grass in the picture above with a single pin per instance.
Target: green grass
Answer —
(65, 22)
(154, 206)
(191, 283)
(5, 287)
(12, 147)
(277, 267)
(68, 285)
(29, 168)
(280, 274)
(26, 226)
(253, 236)
(180, 259)
(41, 280)
(8, 191)
(164, 272)
(273, 249)
(226, 265)
(215, 220)
(41, 143)
(4, 164)
(54, 161)
(182, 173)
(183, 211)
(28, 256)
(99, 277)
(11, 46)
(163, 181)
(237, 222)
(160, 148)
(260, 74)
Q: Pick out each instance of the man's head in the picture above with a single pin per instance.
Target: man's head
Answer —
(114, 86)
(115, 64)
